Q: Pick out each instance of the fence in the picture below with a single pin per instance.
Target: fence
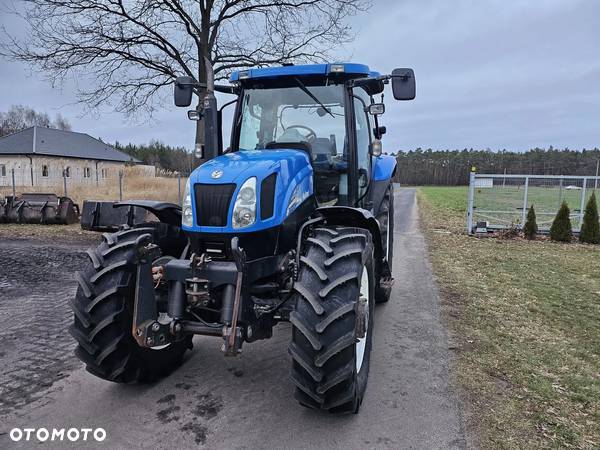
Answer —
(126, 184)
(502, 201)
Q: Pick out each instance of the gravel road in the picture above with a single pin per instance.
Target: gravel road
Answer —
(218, 402)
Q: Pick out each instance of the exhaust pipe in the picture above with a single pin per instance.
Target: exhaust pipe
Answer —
(210, 115)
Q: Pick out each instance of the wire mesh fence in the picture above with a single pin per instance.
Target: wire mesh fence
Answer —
(501, 201)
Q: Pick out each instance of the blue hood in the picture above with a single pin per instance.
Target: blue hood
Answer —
(291, 166)
(237, 167)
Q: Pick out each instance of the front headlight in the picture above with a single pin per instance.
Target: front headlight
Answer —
(187, 217)
(244, 209)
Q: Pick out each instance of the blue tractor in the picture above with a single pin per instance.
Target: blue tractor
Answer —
(293, 222)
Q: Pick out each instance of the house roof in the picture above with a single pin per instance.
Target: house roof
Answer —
(67, 144)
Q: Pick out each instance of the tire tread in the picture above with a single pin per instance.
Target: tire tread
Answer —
(102, 308)
(323, 324)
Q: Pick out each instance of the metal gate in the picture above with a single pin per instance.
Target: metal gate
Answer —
(502, 201)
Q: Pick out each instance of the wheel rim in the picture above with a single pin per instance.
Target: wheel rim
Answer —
(361, 344)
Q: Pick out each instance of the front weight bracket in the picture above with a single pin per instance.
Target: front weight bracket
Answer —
(146, 329)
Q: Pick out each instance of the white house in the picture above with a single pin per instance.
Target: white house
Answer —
(41, 156)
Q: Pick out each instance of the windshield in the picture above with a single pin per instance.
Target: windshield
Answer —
(271, 117)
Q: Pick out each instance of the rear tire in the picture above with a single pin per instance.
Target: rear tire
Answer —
(330, 363)
(103, 309)
(386, 225)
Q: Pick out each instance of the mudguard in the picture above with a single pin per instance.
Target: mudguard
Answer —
(384, 168)
(110, 216)
(165, 212)
(361, 218)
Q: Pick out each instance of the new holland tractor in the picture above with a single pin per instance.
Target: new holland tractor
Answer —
(292, 222)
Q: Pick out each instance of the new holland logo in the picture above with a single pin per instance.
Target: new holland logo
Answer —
(216, 174)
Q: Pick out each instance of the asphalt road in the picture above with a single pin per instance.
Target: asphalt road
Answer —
(246, 402)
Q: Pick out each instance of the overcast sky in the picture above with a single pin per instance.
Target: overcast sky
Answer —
(490, 74)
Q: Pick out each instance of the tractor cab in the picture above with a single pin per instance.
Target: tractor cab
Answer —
(329, 112)
(310, 119)
(308, 108)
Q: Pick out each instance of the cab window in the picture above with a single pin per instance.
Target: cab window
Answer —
(363, 140)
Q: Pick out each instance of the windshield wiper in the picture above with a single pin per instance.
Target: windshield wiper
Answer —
(311, 95)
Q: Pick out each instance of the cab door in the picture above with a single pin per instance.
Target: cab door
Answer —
(363, 142)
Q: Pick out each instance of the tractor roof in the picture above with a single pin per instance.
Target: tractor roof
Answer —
(346, 70)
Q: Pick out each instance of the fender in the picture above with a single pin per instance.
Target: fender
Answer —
(360, 218)
(165, 212)
(384, 168)
(110, 216)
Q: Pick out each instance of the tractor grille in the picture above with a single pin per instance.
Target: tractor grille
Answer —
(212, 203)
(267, 193)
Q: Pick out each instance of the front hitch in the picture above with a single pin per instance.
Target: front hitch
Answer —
(146, 330)
(232, 334)
(189, 281)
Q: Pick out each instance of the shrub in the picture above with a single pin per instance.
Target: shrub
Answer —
(509, 233)
(530, 229)
(590, 228)
(561, 230)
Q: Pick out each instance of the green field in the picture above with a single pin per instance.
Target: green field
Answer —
(525, 325)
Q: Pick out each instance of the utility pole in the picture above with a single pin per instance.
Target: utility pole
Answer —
(64, 174)
(13, 182)
(596, 180)
(179, 187)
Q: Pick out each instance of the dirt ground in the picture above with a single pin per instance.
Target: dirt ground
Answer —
(62, 234)
(213, 401)
(36, 283)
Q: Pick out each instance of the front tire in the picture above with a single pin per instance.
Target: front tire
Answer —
(103, 309)
(330, 359)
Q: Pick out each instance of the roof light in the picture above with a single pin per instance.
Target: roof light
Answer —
(337, 68)
(244, 75)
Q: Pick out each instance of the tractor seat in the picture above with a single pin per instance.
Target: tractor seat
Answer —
(322, 148)
(291, 138)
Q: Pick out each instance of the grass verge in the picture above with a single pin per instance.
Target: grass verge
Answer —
(525, 323)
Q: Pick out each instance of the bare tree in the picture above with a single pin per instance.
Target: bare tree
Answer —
(61, 123)
(130, 50)
(20, 117)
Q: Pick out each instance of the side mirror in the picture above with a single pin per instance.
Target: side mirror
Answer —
(376, 148)
(404, 86)
(183, 91)
(376, 109)
(379, 131)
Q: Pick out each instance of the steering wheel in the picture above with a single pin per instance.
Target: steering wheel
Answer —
(311, 132)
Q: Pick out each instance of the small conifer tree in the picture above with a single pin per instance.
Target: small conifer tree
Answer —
(561, 230)
(590, 228)
(530, 229)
